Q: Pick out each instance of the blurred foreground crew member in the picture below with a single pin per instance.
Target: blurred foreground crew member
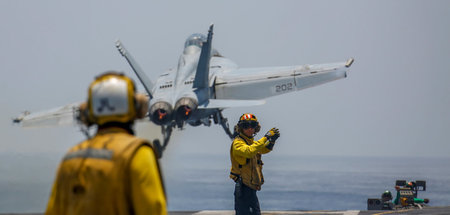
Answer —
(114, 172)
(246, 163)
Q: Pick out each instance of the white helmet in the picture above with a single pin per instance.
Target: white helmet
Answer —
(112, 98)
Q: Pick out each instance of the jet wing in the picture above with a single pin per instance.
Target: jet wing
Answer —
(260, 83)
(64, 115)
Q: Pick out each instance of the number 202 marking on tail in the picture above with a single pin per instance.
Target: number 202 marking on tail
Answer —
(284, 87)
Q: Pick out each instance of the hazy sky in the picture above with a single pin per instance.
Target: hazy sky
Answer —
(394, 101)
(396, 96)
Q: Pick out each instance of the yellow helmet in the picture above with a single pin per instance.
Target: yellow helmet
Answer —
(112, 98)
(249, 120)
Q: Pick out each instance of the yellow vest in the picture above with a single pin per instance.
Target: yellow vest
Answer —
(245, 156)
(94, 176)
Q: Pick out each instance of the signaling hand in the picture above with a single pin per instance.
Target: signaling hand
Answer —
(272, 135)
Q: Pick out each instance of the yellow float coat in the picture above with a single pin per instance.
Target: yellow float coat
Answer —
(245, 156)
(112, 173)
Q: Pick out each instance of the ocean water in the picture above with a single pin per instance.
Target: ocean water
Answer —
(307, 182)
(200, 182)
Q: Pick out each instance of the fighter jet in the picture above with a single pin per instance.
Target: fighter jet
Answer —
(205, 83)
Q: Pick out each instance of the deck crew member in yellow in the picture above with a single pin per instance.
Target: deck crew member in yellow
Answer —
(114, 172)
(246, 163)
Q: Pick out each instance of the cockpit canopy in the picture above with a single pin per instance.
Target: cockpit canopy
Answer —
(196, 40)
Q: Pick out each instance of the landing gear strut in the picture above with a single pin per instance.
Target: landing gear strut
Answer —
(219, 119)
(166, 131)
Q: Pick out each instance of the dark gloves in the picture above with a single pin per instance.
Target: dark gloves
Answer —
(272, 135)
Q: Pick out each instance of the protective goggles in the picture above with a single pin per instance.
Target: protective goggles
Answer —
(250, 124)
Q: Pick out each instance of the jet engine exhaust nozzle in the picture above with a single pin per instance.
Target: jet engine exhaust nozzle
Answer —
(161, 113)
(184, 108)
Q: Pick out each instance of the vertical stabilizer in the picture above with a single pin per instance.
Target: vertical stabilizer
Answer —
(201, 80)
(148, 84)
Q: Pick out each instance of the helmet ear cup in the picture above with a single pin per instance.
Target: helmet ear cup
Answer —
(141, 103)
(83, 115)
(239, 125)
(258, 128)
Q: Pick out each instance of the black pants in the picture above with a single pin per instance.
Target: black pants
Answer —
(245, 200)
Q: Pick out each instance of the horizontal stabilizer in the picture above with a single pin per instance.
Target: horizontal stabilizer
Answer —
(229, 103)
